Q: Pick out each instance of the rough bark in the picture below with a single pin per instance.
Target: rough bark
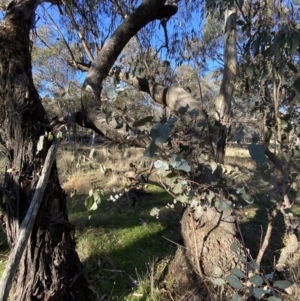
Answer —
(27, 224)
(50, 268)
(207, 236)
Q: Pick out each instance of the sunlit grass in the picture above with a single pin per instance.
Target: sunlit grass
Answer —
(117, 243)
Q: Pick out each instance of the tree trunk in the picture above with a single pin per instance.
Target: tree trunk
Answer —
(50, 268)
(207, 233)
(223, 101)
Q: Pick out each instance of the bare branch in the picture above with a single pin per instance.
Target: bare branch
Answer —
(84, 44)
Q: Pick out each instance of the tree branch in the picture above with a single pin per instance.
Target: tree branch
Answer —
(148, 11)
(84, 44)
(171, 97)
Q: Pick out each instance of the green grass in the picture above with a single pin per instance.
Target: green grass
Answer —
(119, 244)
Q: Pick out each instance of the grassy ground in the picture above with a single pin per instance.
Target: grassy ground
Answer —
(122, 246)
(125, 251)
(259, 181)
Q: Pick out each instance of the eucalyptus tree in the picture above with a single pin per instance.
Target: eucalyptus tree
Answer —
(270, 80)
(189, 147)
(50, 268)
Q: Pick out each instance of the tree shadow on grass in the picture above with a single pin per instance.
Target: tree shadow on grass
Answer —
(261, 184)
(253, 226)
(120, 242)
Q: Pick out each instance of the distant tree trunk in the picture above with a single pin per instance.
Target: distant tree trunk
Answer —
(50, 268)
(223, 101)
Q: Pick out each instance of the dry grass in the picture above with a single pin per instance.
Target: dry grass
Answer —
(237, 152)
(105, 169)
(79, 181)
(239, 157)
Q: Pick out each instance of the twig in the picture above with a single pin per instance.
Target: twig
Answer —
(197, 255)
(267, 238)
(173, 242)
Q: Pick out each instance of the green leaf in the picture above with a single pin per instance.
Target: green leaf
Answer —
(217, 281)
(142, 121)
(248, 198)
(182, 198)
(238, 273)
(218, 271)
(183, 110)
(242, 258)
(160, 132)
(257, 280)
(213, 166)
(59, 135)
(179, 163)
(273, 298)
(177, 188)
(94, 206)
(257, 153)
(184, 166)
(150, 150)
(234, 246)
(172, 121)
(194, 113)
(111, 94)
(90, 204)
(252, 266)
(234, 282)
(282, 284)
(50, 136)
(259, 292)
(237, 297)
(296, 2)
(119, 122)
(158, 164)
(154, 211)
